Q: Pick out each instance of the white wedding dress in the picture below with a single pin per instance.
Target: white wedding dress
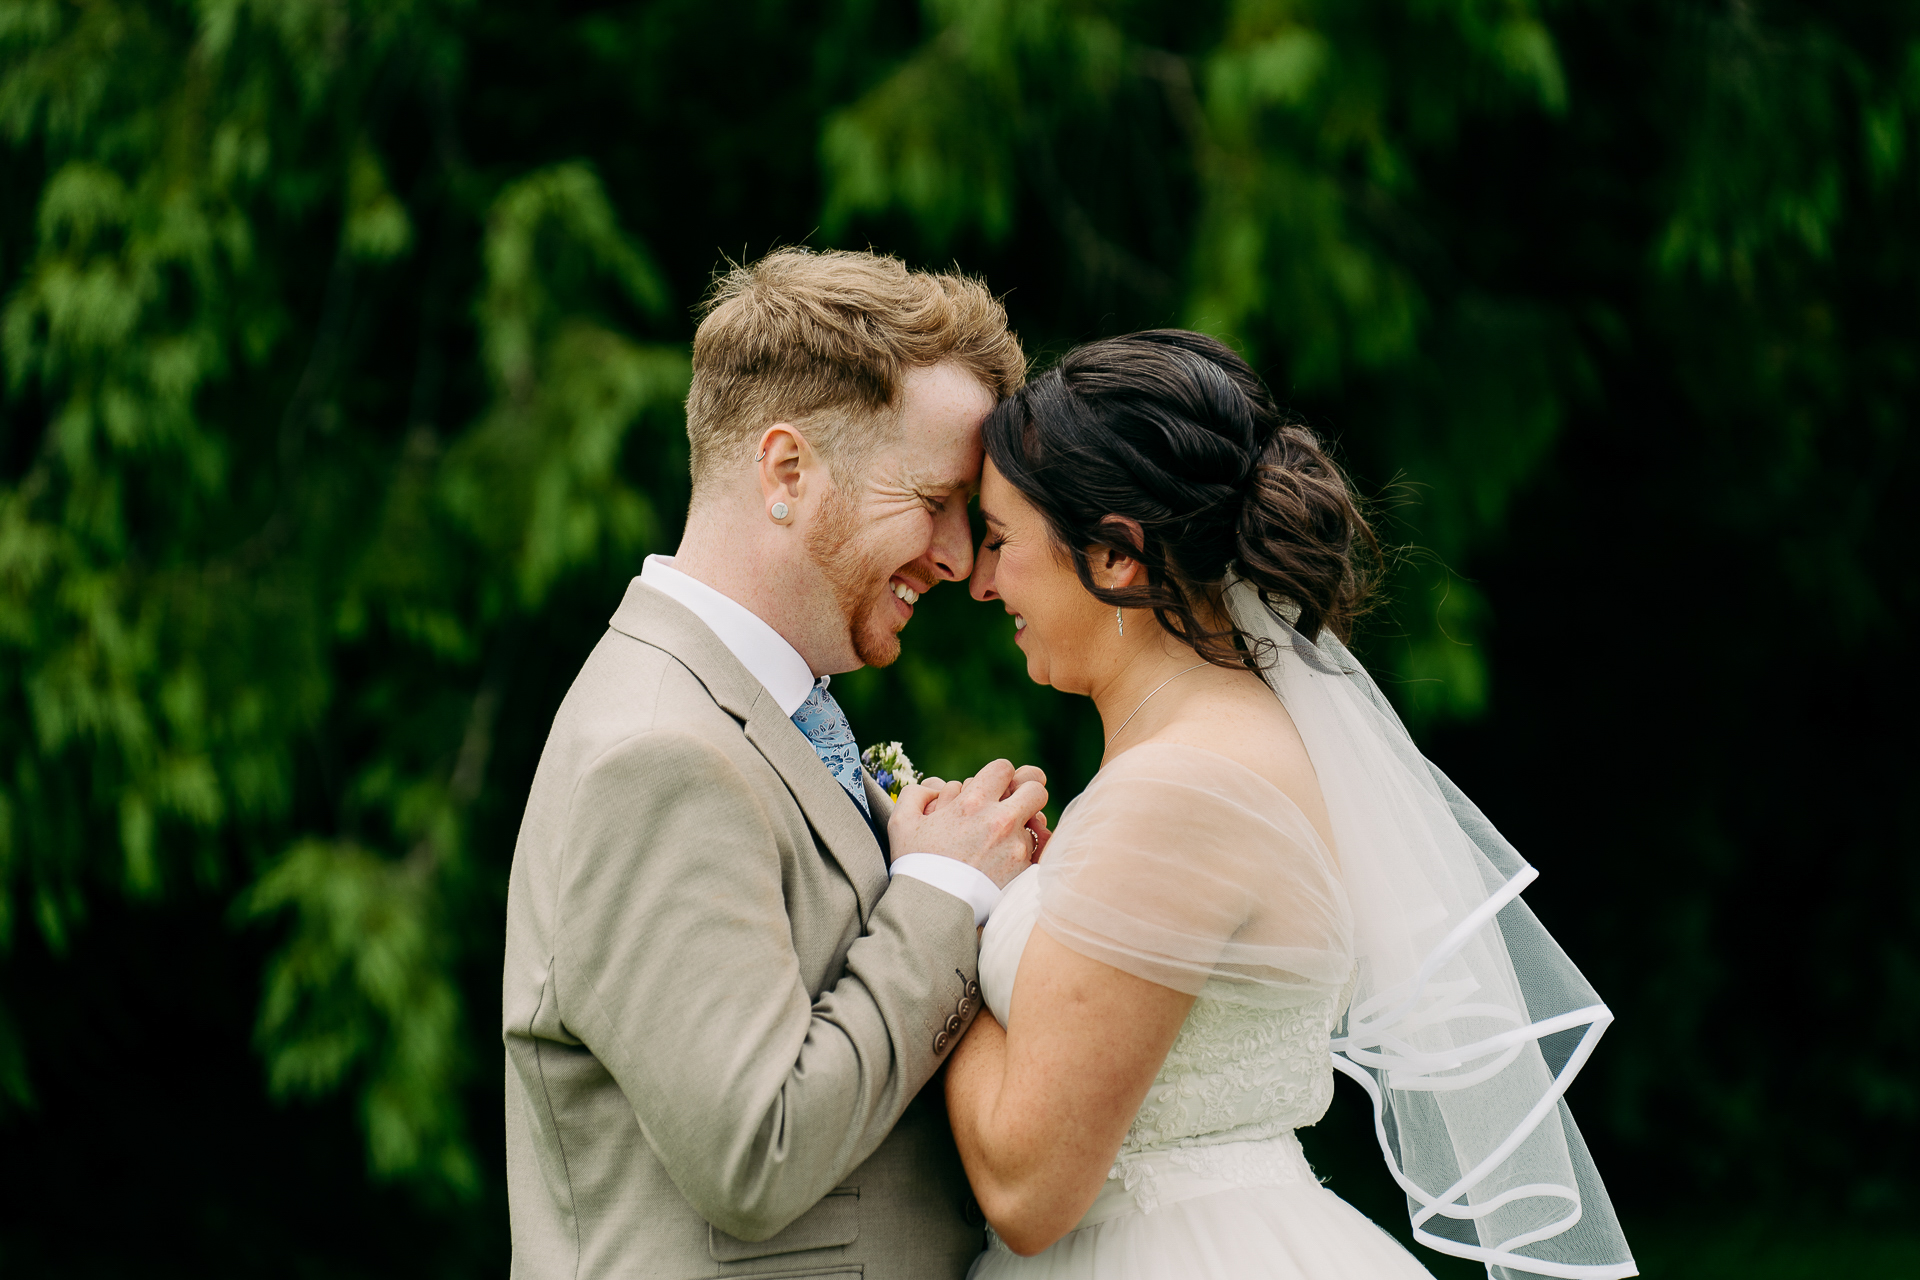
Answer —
(1403, 957)
(1185, 867)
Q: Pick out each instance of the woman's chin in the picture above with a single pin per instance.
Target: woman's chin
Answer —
(1037, 666)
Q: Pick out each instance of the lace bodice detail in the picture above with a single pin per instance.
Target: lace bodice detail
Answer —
(1236, 1074)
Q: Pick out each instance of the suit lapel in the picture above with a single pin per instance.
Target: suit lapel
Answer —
(829, 809)
(655, 618)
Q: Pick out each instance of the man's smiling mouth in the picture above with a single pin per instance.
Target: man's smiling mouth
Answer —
(905, 592)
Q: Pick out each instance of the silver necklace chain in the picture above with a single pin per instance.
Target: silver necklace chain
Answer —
(1144, 701)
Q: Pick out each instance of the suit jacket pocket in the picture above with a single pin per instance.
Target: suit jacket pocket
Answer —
(834, 1222)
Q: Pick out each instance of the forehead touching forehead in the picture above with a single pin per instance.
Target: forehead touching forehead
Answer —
(832, 341)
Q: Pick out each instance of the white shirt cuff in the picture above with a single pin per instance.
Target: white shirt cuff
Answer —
(969, 884)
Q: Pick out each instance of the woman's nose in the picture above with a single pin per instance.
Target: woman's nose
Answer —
(980, 586)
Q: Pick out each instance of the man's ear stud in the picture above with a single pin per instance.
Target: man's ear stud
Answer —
(779, 512)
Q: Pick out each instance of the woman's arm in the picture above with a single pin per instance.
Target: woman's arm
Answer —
(1039, 1111)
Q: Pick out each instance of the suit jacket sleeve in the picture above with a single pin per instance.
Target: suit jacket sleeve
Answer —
(674, 964)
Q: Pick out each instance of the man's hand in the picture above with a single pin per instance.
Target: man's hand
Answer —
(1037, 824)
(983, 822)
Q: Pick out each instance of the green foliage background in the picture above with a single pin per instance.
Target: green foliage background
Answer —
(343, 346)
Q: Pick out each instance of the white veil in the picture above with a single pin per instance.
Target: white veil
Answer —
(1468, 1021)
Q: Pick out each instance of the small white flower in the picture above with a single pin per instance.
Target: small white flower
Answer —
(890, 767)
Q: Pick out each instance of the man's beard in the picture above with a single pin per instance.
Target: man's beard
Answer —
(874, 639)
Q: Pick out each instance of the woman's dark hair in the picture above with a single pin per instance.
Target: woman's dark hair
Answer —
(1173, 430)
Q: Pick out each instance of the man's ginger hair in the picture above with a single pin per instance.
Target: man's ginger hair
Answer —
(824, 341)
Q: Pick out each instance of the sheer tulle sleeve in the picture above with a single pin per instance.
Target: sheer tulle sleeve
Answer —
(1179, 866)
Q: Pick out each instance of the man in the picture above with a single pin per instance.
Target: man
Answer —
(720, 1001)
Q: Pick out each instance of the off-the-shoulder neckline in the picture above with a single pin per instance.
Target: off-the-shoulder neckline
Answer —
(1255, 774)
(1285, 799)
(1186, 746)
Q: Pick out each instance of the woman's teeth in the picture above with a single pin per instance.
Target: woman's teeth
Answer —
(1019, 623)
(906, 592)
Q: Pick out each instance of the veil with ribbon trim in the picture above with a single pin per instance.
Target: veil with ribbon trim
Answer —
(1468, 1021)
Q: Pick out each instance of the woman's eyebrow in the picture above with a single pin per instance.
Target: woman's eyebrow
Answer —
(989, 517)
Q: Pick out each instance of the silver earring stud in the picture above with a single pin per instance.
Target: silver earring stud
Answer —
(779, 512)
(1119, 621)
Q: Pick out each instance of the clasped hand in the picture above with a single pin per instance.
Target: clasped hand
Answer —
(994, 821)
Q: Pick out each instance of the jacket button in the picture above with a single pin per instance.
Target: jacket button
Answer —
(953, 1024)
(965, 1007)
(941, 1041)
(973, 989)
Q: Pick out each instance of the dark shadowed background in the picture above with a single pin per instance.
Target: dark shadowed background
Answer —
(343, 345)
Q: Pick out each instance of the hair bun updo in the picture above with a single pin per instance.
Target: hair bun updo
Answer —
(1173, 430)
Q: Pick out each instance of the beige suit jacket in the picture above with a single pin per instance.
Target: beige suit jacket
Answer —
(718, 1011)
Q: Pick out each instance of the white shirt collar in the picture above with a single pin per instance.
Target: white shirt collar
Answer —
(763, 651)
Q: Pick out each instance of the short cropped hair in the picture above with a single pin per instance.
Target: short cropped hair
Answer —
(824, 340)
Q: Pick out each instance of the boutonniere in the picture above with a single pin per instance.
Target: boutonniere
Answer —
(890, 767)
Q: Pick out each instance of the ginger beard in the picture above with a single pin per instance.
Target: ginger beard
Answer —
(859, 589)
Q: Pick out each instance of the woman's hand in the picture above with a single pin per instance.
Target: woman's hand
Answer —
(1037, 826)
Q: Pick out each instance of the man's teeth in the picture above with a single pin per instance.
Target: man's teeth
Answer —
(1019, 623)
(906, 592)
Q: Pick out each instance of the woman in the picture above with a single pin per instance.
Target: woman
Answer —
(1254, 890)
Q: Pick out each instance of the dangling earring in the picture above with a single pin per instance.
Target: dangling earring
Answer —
(779, 512)
(1119, 621)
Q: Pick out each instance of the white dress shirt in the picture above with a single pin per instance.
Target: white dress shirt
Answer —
(777, 665)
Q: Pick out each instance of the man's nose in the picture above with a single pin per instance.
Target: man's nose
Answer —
(953, 544)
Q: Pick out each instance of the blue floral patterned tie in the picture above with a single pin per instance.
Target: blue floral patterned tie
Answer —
(826, 727)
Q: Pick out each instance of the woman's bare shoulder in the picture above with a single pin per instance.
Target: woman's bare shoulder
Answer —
(1250, 727)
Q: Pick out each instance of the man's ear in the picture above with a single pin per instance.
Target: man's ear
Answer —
(1114, 569)
(783, 463)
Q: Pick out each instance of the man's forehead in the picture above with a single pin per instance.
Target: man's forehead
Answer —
(939, 449)
(947, 386)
